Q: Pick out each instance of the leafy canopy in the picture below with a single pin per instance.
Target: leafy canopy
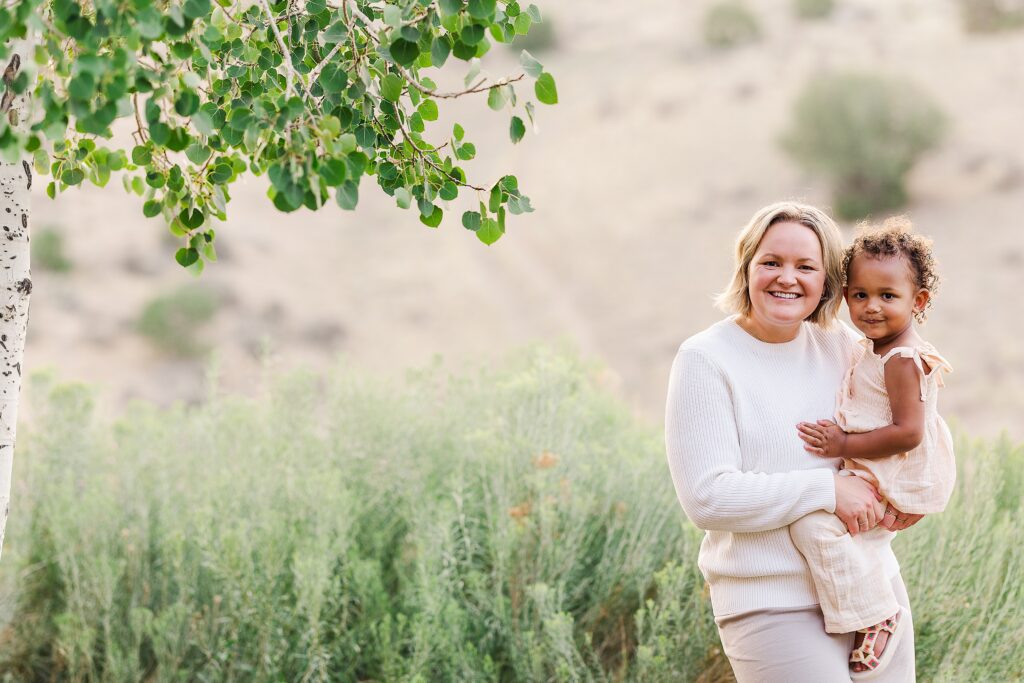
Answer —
(315, 94)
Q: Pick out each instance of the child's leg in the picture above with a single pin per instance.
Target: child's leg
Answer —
(847, 575)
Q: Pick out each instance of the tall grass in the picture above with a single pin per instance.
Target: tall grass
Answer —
(515, 525)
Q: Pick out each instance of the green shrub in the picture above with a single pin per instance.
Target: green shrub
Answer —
(517, 525)
(813, 9)
(864, 133)
(171, 321)
(729, 24)
(988, 16)
(48, 251)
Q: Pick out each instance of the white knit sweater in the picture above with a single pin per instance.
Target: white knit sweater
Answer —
(739, 468)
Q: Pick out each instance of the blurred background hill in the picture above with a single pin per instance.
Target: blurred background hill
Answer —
(667, 137)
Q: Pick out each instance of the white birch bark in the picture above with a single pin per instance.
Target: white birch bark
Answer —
(15, 278)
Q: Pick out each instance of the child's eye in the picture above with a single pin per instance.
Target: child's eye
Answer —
(860, 295)
(888, 297)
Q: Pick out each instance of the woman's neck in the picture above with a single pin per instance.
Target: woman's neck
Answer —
(766, 332)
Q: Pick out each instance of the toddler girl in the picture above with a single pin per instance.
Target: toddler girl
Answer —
(887, 431)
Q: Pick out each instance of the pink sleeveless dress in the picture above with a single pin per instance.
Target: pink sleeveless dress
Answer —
(919, 481)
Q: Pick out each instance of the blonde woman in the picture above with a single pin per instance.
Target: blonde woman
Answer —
(736, 392)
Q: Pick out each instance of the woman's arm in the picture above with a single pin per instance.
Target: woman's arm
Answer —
(903, 384)
(702, 442)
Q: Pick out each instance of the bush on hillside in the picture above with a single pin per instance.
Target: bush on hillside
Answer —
(813, 9)
(989, 16)
(47, 251)
(865, 133)
(170, 321)
(730, 24)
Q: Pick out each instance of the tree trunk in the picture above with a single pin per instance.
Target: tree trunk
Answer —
(15, 278)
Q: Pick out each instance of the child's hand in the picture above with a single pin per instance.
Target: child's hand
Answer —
(824, 438)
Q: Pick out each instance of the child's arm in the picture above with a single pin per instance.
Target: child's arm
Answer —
(903, 384)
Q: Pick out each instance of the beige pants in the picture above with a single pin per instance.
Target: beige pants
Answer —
(846, 570)
(791, 646)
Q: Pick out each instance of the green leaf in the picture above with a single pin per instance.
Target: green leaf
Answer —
(391, 87)
(315, 7)
(433, 219)
(465, 152)
(428, 110)
(534, 13)
(545, 89)
(471, 220)
(203, 119)
(494, 201)
(463, 51)
(333, 172)
(141, 155)
(72, 176)
(518, 205)
(496, 99)
(404, 52)
(482, 9)
(403, 198)
(392, 16)
(530, 65)
(198, 154)
(82, 86)
(450, 7)
(458, 132)
(489, 232)
(187, 103)
(472, 34)
(151, 208)
(516, 129)
(448, 191)
(523, 23)
(348, 195)
(509, 184)
(439, 51)
(191, 219)
(186, 257)
(194, 9)
(221, 173)
(333, 78)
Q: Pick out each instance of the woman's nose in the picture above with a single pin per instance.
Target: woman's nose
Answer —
(787, 277)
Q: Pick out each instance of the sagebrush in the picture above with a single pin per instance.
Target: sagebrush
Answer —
(864, 132)
(513, 525)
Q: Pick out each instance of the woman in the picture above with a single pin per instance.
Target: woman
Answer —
(736, 393)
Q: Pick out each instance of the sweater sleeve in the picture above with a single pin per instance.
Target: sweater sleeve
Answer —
(705, 459)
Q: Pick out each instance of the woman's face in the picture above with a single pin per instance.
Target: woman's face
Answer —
(786, 280)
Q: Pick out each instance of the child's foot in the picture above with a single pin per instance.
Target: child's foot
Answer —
(870, 646)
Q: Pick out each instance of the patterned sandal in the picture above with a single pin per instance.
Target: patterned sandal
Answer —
(865, 654)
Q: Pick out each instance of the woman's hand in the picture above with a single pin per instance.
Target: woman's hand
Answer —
(894, 520)
(824, 438)
(858, 504)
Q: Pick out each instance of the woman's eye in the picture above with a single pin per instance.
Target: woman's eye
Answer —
(807, 268)
(771, 263)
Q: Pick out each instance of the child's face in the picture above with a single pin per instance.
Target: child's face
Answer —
(882, 295)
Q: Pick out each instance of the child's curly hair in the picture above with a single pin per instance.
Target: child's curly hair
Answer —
(895, 237)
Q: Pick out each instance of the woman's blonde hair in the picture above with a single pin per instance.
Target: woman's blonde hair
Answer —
(736, 297)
